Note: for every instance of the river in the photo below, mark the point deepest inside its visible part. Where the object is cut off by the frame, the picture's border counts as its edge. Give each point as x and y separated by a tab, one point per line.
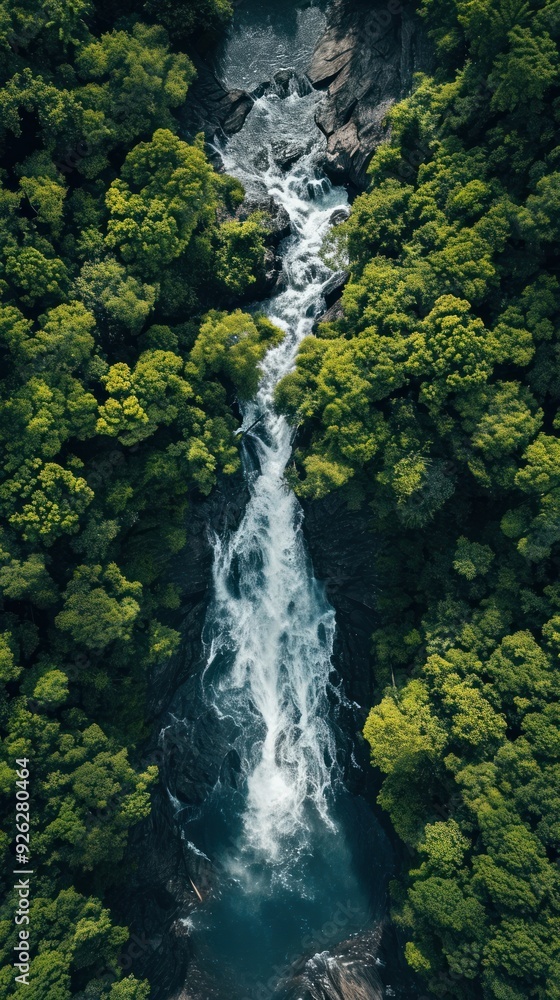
301	867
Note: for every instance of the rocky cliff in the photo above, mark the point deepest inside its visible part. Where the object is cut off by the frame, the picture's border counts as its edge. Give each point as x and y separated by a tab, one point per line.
167	874
335	538
366	61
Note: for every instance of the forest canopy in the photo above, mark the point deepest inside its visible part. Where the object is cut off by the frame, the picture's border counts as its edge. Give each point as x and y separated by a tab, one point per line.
434	403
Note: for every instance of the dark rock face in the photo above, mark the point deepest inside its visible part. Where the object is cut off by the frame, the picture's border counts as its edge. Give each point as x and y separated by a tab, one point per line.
339	215
211	108
158	902
366	60
284	83
341	548
285	154
193	573
276	224
333	288
335	312
347	973
168	874
198	746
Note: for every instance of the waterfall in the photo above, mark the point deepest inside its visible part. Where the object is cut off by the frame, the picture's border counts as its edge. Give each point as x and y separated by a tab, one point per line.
293	869
269	613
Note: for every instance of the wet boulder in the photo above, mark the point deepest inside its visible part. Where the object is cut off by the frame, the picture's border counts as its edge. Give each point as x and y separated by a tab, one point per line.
285	152
334	287
348	971
272	274
331	315
288	81
210	107
339	216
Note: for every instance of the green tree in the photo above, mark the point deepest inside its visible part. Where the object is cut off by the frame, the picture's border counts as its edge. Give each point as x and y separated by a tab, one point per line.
166	189
100	606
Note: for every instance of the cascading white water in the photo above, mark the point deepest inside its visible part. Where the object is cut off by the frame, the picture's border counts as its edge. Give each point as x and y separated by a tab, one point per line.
290	863
268	611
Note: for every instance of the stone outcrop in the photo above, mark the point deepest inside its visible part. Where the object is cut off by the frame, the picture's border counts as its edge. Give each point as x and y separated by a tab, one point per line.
334	286
193	574
160	893
366	61
211	108
336	311
335	538
349	972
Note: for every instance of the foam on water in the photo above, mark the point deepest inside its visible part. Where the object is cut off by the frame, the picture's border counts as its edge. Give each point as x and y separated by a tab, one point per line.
268	610
296	864
268	35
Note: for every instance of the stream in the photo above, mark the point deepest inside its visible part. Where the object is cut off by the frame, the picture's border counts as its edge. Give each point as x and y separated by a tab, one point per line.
297	898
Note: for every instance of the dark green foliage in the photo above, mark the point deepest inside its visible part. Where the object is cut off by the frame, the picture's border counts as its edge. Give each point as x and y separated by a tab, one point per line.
182	18
120	371
435	401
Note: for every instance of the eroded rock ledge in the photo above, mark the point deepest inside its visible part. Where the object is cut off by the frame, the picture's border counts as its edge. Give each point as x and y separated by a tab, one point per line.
366	61
210	107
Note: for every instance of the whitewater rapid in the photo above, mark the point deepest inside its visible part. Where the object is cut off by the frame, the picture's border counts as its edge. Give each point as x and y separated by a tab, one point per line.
268	611
290	868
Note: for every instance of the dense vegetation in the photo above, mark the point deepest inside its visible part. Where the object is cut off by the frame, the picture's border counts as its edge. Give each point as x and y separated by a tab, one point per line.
120	370
435	401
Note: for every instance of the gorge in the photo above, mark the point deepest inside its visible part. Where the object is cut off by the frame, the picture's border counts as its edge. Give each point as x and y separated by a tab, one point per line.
259	741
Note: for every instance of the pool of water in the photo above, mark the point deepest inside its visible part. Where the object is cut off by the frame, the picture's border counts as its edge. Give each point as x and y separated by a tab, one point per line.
266	37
